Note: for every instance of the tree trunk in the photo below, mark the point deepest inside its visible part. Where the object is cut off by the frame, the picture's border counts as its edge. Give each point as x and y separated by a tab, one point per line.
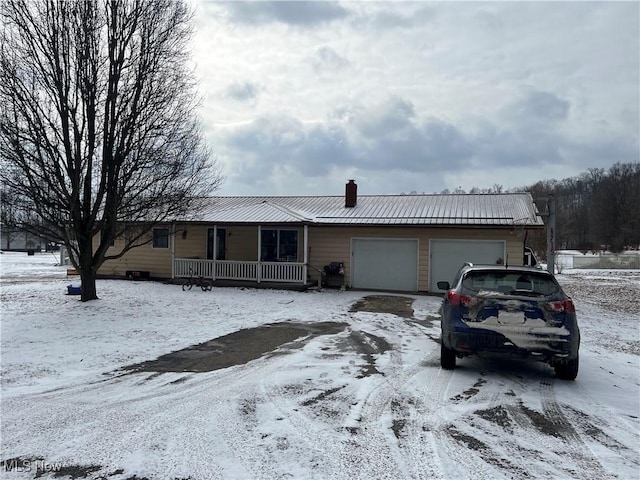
87	276
88	288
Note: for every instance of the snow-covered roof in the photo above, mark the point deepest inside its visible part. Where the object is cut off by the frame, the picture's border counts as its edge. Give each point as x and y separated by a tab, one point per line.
437	209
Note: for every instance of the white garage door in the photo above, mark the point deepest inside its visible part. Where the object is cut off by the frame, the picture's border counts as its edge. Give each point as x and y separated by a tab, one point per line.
384	264
447	256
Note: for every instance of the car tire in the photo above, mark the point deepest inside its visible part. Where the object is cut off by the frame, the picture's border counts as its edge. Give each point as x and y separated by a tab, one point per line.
567	370
447	357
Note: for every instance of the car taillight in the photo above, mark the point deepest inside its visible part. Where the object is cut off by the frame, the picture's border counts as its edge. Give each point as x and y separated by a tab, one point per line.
457	299
561	306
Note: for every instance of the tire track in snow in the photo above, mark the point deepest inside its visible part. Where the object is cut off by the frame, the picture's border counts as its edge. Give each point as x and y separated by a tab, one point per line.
418	439
553	446
464	454
487	397
372	446
239	423
322	444
517	458
359	443
356	445
126	415
574	443
386	416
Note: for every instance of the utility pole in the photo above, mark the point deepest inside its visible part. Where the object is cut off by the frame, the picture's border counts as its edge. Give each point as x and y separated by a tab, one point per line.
549	216
551	235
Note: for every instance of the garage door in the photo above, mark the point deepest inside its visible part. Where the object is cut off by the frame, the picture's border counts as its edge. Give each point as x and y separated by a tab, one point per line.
384	264
447	256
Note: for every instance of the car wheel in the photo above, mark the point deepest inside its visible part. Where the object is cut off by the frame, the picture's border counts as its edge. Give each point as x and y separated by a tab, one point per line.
447	357
567	370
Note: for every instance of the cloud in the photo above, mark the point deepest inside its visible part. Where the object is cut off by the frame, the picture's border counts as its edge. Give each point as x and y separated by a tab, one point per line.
298	13
383	119
419	147
243	91
537	107
385	16
327	60
377	139
283	141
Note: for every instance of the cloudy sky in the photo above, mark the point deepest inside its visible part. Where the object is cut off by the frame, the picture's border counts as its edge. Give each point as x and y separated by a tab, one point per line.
299	97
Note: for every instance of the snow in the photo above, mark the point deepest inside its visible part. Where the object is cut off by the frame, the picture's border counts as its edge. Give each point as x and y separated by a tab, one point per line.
332	406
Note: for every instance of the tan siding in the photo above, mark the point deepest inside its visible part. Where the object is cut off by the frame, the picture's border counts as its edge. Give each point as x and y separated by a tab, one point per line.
191	241
242	243
157	261
515	252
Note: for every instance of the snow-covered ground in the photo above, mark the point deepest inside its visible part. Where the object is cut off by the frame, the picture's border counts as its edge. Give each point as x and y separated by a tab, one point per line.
368	402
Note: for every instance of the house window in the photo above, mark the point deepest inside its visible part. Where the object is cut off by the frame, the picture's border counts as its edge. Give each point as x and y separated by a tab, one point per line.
279	245
160	238
220	243
111	243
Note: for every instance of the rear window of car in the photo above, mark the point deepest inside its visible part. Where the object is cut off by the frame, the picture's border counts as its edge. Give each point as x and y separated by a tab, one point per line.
526	283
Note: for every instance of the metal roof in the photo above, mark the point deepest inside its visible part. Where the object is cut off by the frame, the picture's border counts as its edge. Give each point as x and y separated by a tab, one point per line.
506	209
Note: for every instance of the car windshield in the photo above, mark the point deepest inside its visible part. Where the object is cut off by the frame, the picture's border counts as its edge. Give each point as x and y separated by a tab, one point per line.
518	283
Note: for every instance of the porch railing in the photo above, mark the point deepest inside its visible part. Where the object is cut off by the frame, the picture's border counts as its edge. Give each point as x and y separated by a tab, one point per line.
229	270
284	272
187	267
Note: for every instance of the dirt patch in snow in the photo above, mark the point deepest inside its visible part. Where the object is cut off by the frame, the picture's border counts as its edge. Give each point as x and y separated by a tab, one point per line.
368	345
249	344
236	348
401	306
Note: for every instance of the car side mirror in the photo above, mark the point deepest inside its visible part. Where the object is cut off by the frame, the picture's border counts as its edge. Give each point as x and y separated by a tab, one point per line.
443	285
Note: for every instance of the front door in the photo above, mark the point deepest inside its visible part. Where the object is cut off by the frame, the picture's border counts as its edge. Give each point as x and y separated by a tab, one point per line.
220	243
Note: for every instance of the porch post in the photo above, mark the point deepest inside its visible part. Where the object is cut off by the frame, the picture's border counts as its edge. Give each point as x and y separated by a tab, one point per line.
259	269
173	251
306	253
215	252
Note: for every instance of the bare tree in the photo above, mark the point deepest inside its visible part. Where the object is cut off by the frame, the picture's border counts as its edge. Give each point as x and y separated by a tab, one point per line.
98	135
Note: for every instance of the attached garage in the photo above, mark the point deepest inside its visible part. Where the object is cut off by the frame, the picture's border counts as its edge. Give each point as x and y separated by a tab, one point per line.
384	264
448	255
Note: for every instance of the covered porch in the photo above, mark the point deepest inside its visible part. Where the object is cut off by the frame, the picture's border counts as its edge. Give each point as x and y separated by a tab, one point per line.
279	256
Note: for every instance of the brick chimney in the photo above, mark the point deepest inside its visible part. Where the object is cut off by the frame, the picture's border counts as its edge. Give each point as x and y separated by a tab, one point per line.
351	194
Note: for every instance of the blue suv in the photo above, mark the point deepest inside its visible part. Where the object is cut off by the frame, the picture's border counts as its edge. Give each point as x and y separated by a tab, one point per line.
513	311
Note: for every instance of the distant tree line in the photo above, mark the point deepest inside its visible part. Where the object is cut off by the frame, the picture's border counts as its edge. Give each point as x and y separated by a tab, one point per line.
598	209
